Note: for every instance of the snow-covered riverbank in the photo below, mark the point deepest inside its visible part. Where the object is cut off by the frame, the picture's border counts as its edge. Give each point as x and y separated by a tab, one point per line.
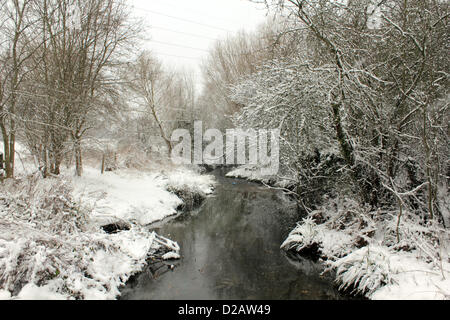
51	242
364	250
142	197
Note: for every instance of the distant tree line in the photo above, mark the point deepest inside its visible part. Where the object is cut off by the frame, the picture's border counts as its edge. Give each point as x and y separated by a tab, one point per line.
360	91
70	66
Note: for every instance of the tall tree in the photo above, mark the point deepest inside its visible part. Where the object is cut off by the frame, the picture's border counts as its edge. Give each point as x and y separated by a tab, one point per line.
166	97
16	22
83	42
388	96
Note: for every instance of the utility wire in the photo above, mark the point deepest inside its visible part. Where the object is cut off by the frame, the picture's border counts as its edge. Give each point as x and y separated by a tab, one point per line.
164	2
185	33
176	56
178	45
185	20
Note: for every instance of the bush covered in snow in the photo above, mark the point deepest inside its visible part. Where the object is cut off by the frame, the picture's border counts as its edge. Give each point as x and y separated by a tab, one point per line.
372	250
50	249
189	186
47	203
365	270
303	236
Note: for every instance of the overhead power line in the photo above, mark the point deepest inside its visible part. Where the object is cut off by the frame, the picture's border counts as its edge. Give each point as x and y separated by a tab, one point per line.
203	14
185	33
178	45
176	56
185	20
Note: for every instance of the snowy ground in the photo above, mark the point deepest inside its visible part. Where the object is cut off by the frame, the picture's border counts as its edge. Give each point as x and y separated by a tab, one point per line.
137	196
51	243
249	173
361	247
367	257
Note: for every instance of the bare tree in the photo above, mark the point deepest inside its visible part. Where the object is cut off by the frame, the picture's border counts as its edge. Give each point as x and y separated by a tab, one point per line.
236	57
83	42
387	92
16	22
166	96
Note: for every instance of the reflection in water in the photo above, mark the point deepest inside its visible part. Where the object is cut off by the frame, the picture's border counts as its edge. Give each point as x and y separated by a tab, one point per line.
231	250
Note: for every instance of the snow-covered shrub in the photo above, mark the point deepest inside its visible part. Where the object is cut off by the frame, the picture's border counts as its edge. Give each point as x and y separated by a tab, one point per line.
364	270
29	255
362	247
313	239
47	241
189	179
47	203
428	239
250	173
337	227
303	236
189	186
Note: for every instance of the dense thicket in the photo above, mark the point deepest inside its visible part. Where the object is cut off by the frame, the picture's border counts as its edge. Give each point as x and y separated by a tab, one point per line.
362	103
58	59
71	66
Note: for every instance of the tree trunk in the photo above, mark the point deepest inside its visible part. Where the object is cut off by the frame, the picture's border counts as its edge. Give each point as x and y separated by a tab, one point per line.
46	163
428	175
12	153
347	152
9	170
346	148
78	159
56	166
103	164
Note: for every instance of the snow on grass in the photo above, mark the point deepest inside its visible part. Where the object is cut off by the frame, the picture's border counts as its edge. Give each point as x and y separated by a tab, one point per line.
65	256
126	195
414	279
248	172
366	269
138	196
383	274
51	243
303	236
362	249
331	243
5	295
48	292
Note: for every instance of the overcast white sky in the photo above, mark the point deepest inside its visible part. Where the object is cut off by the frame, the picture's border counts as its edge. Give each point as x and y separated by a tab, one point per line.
181	31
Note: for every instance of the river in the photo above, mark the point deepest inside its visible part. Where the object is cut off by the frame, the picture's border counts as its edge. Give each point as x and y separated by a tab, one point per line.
230	249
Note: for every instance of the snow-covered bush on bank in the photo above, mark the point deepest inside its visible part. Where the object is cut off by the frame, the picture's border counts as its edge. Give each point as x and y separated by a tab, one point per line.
303	236
52	245
189	186
188	179
366	270
139	196
48	242
250	173
82	265
374	254
307	235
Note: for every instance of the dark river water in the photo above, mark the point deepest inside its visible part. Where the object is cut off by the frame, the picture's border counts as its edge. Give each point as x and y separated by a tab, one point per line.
230	249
